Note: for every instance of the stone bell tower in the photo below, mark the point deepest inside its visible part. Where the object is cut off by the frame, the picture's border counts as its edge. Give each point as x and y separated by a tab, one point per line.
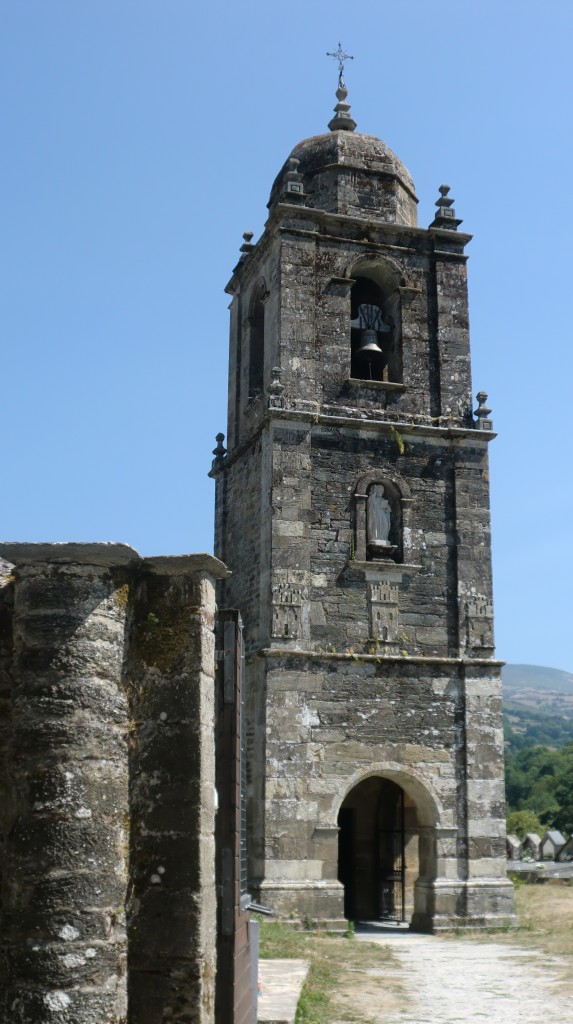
352	507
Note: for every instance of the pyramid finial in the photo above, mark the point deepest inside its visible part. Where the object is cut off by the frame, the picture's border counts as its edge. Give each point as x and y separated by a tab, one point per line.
445	215
342	120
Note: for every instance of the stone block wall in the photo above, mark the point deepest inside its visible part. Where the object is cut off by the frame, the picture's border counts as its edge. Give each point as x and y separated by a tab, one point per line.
108	899
442	594
245	539
334	720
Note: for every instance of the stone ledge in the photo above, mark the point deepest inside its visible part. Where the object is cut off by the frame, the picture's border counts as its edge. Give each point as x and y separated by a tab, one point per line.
380	566
100	553
379	385
281	984
310	419
178	565
386	228
413	659
109	554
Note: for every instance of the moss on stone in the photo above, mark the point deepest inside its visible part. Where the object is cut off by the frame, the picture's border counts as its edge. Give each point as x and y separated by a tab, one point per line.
163	641
122	595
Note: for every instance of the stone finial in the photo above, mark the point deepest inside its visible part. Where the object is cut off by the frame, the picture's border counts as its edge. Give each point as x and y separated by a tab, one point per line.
482	412
275	390
247	245
293	188
220	451
292	172
482	409
342	120
446	215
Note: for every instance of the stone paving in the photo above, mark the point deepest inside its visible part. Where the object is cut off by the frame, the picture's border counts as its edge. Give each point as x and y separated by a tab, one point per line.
281	984
451	982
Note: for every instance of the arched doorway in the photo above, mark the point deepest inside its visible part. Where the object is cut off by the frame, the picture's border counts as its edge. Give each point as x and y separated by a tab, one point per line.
378	851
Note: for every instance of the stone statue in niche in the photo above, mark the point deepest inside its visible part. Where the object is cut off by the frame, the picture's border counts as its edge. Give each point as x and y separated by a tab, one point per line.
378	516
378	523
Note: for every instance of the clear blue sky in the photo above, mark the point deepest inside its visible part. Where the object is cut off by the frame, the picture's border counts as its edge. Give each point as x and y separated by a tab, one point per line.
141	139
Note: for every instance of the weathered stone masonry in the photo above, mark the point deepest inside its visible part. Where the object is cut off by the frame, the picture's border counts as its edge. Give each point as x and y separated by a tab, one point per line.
108	896
362	661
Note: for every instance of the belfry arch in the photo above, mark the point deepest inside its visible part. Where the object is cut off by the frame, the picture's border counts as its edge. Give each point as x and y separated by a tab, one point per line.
375	320
387	825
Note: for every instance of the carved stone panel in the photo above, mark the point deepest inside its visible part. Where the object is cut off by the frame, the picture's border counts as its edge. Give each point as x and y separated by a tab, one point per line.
286	611
479	623
383	606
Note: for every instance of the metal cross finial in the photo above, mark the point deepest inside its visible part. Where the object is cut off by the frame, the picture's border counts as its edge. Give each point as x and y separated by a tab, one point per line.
340	56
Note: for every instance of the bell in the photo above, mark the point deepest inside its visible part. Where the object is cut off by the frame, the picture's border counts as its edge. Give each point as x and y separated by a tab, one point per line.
369	344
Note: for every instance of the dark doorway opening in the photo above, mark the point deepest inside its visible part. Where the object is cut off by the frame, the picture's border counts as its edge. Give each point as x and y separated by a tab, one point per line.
346	820
390	861
378	851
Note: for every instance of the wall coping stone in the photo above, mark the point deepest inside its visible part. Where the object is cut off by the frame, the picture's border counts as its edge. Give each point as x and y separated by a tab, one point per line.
178	565
105	553
109	554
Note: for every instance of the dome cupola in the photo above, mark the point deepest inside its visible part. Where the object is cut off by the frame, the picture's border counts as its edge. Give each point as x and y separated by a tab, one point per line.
347	172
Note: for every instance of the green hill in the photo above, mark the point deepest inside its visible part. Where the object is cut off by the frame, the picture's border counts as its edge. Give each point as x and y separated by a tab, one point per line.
538	706
538	726
536	677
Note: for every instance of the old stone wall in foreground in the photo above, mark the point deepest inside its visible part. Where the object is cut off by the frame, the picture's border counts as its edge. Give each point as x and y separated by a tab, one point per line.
107	785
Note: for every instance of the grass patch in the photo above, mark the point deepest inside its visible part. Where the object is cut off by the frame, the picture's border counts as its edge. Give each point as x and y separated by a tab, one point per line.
315	1003
338	969
545	913
279	941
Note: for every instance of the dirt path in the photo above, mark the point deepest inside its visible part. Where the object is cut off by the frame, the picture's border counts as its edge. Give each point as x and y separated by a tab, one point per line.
459	982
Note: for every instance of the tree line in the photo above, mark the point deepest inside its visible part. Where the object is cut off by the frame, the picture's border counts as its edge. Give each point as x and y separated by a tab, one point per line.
539	789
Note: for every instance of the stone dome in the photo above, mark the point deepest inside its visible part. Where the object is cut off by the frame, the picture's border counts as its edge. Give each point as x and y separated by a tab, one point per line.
348	172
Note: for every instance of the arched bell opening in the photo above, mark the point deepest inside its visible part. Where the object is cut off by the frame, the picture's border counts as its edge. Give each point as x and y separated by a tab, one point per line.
375	330
380	855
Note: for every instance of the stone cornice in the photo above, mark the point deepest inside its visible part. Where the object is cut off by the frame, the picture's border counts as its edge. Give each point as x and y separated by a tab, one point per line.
380	234
389	228
414	659
404	427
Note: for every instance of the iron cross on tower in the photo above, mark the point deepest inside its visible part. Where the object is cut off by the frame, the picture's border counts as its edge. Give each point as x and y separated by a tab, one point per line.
340	56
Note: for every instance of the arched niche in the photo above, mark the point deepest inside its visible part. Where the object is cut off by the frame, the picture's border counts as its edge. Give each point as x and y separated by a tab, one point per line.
381	517
256	321
376	320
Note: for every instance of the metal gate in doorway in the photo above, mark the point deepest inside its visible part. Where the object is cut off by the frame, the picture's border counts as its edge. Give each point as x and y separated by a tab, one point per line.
390	864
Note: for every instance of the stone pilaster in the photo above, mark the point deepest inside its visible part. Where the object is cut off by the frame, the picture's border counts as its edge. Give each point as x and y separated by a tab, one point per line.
452	328
171	912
